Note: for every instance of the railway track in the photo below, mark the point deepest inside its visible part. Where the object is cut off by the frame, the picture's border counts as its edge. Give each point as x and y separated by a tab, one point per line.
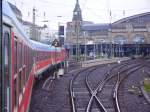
133	100
94	95
106	89
96	89
84	88
91	89
79	91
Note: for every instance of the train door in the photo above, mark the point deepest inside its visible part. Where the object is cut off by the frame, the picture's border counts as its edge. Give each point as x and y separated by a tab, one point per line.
6	69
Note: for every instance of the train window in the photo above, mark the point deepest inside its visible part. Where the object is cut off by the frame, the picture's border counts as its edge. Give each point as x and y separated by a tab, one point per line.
6	49
20	55
37	55
30	59
23	70
20	83
28	64
23	78
26	56
47	55
6	72
15	93
22	52
21	58
15	56
27	53
50	55
42	55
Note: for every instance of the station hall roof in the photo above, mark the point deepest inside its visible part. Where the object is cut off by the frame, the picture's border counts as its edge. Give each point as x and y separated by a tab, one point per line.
141	19
95	27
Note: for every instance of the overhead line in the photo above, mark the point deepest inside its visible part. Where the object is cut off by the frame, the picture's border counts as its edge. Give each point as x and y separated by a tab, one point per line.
69	5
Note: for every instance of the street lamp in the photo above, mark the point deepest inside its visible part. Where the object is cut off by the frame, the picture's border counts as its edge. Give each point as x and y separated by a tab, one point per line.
94	49
112	48
101	43
58	24
119	49
85	49
77	31
55	44
122	51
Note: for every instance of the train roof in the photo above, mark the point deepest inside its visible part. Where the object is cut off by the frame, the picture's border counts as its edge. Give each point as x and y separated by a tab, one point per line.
40	46
10	18
43	47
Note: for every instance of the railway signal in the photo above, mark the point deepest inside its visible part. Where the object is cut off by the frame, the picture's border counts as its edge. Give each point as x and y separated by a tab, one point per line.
56	43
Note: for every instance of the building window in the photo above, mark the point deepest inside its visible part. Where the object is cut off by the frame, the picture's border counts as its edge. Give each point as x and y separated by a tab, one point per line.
138	39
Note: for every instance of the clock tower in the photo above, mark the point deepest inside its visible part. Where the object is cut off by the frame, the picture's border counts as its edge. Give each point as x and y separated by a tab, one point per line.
73	29
77	15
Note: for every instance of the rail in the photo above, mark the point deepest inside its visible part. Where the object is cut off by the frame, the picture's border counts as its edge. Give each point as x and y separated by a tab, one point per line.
102	61
101	86
119	81
71	89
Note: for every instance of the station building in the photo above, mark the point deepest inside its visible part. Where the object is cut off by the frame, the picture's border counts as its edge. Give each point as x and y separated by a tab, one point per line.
131	31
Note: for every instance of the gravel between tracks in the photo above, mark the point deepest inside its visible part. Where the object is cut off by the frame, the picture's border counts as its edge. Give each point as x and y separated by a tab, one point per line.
56	99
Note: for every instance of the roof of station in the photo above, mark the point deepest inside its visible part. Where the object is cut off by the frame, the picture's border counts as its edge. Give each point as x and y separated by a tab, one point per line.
136	20
143	17
95	27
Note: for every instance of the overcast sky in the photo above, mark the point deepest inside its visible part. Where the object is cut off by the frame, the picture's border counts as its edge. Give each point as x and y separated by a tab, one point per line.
92	10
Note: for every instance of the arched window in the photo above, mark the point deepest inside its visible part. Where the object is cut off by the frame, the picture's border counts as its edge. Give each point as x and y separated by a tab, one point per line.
120	39
138	39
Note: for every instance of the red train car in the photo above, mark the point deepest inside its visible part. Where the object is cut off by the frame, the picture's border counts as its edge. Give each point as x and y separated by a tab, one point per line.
22	61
